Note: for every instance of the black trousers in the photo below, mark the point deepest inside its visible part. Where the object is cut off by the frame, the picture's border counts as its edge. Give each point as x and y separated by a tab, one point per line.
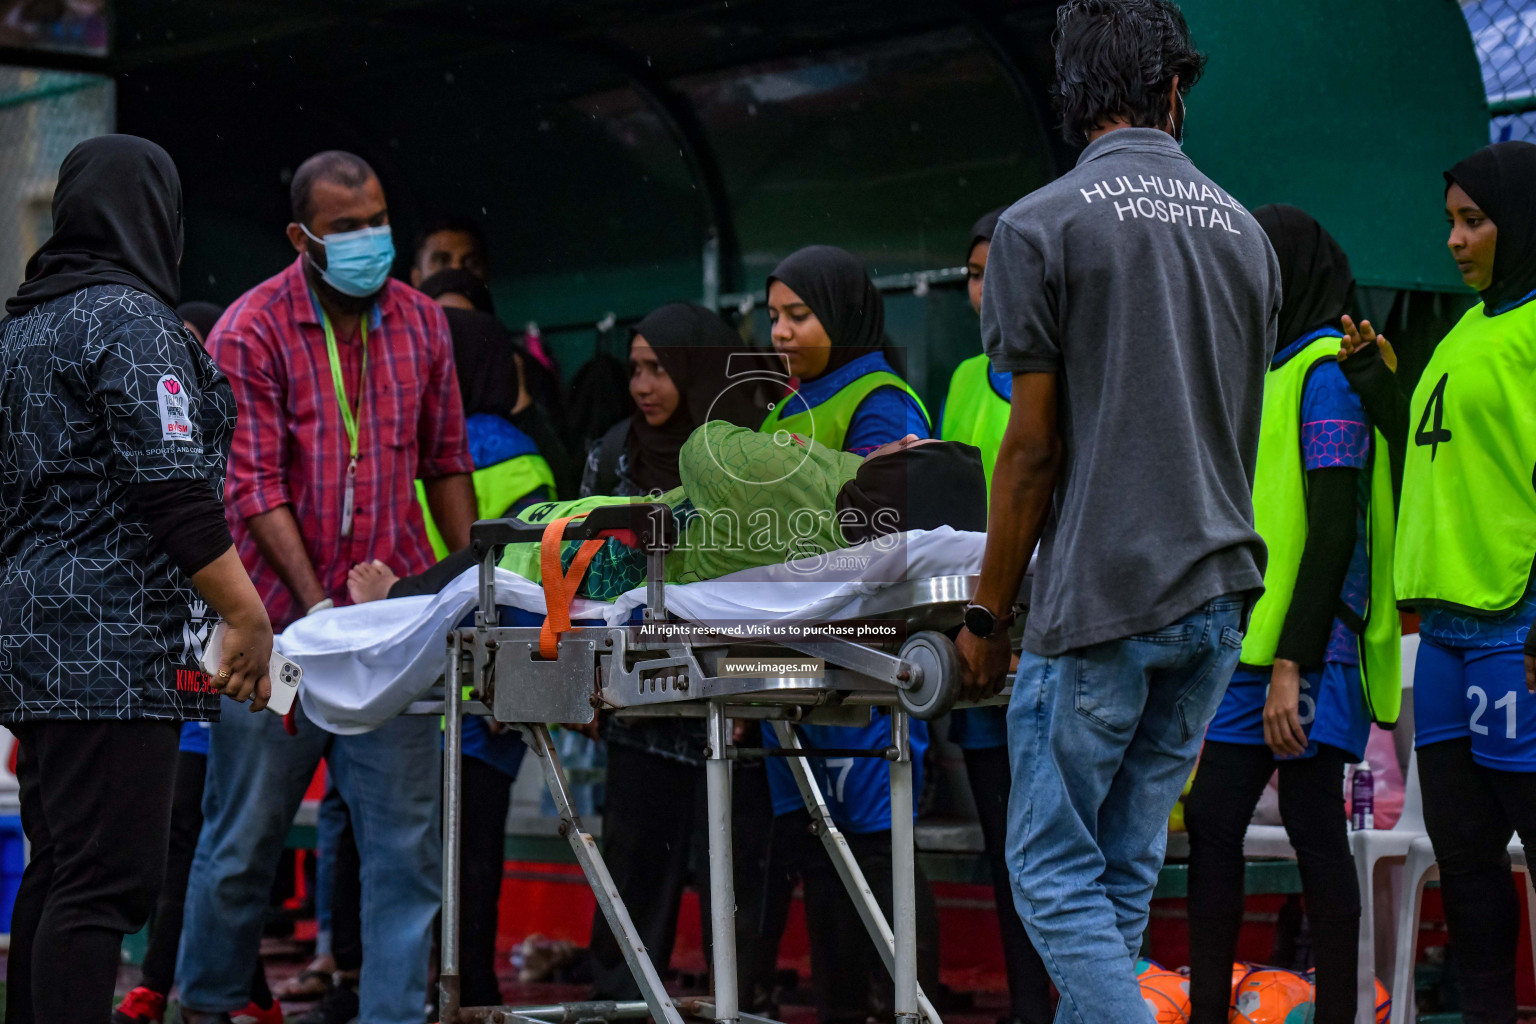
186	824
655	842
159	969
1471	813
1217	811
487	794
848	976
96	807
1029	984
347	902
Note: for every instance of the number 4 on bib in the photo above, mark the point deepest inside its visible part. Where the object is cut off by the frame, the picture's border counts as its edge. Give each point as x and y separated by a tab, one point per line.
1436	433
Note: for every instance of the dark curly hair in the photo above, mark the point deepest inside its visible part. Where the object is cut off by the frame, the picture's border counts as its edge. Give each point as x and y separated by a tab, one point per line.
1117	59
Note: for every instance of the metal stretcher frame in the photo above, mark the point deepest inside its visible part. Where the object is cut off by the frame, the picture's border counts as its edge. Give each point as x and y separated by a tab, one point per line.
501	671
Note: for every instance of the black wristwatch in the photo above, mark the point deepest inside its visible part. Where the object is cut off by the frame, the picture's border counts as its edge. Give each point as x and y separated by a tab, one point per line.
982	623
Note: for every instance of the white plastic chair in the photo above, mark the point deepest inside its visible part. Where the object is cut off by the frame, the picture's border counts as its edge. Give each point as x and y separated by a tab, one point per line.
1372	847
1420	868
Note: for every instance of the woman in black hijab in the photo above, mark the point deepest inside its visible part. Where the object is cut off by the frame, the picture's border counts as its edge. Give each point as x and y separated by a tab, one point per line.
497	382
1298	701
1464	550
683	363
1319	286
1498	180
116	427
829	325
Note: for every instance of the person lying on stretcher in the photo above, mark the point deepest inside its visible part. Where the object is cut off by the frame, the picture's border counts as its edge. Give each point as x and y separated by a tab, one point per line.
748	499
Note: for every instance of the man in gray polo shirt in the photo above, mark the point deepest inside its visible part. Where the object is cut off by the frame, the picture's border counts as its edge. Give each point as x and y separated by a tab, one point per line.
1135	303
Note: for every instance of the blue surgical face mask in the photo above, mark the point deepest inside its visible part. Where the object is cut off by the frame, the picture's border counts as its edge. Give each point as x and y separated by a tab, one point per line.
357	262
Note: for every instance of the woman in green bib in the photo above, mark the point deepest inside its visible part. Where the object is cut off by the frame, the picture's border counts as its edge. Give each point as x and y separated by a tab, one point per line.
1465	547
514	447
829	324
1321	658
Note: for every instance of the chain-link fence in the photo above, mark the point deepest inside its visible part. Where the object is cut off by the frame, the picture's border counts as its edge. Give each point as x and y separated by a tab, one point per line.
43	114
1504	32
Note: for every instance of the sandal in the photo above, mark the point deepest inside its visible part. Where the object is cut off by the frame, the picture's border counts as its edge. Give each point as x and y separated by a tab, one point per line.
312	983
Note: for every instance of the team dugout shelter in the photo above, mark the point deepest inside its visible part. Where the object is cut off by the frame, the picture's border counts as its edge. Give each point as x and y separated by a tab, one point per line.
622	155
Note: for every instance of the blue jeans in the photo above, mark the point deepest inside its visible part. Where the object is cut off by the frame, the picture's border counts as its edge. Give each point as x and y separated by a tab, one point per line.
1101	741
391	779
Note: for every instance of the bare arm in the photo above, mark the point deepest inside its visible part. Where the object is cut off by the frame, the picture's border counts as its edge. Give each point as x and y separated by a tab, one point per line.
277	538
1022	486
452	501
247	643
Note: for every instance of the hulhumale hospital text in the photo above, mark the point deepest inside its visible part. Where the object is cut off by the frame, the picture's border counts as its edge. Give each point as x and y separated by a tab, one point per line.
1139	201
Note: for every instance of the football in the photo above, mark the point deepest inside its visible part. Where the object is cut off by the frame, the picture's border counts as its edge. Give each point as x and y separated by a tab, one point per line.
1272	997
1166	994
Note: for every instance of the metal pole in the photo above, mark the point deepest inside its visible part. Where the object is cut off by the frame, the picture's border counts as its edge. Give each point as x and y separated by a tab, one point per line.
722	879
448	973
487	615
655	586
836	845
609	899
711	261
903	871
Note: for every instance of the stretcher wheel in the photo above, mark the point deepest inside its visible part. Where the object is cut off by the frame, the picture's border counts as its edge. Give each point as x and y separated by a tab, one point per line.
934	693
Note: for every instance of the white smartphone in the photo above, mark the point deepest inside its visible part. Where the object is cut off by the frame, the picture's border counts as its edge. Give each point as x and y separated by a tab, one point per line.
285	674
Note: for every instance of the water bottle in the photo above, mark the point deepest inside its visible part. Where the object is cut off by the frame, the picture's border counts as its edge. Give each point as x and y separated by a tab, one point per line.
1362	795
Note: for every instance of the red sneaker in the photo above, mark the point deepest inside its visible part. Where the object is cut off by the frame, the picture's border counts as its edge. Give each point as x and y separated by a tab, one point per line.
253	1014
140	1006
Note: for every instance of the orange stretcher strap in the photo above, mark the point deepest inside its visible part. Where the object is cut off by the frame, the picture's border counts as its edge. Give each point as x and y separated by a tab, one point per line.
560	588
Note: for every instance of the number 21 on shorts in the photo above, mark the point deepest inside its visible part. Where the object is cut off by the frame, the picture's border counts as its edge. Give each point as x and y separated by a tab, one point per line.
1501	713
1506	704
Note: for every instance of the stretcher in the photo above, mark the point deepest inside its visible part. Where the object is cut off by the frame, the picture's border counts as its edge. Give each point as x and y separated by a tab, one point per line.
674	665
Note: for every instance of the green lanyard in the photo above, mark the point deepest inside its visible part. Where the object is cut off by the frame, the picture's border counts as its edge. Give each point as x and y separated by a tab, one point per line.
348	418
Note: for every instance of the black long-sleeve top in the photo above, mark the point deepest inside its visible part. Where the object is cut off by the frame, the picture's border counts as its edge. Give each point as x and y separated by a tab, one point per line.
1332	505
185	518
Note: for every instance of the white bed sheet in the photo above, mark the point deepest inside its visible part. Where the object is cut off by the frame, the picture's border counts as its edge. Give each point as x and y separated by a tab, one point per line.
364	664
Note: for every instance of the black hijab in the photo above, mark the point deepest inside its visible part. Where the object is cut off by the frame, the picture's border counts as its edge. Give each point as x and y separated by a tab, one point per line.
836	286
1501	180
941	483
483	353
1316	286
116	220
983	229
694	346
201	315
459	282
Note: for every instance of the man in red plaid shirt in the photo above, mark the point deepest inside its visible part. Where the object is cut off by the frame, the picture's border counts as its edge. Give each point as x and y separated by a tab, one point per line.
346	392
